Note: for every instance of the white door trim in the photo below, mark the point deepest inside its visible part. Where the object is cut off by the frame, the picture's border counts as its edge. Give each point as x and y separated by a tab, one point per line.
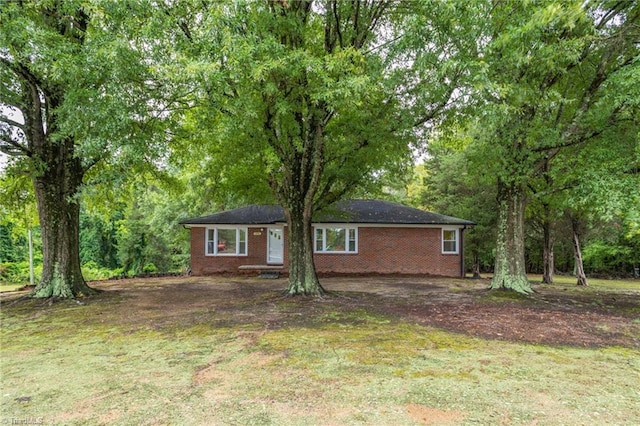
275	245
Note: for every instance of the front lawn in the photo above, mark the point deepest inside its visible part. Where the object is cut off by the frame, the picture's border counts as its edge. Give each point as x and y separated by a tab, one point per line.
376	351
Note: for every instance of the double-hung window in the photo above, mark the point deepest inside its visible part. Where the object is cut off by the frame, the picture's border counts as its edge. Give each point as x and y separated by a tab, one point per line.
336	239
450	241
228	241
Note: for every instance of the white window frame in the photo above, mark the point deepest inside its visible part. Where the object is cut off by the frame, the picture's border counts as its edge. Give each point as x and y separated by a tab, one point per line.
239	240
457	240
324	249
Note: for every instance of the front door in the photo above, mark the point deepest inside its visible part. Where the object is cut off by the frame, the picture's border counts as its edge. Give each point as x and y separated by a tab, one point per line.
275	246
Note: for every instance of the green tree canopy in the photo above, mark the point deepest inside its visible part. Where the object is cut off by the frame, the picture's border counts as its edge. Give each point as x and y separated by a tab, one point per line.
555	77
309	101
76	95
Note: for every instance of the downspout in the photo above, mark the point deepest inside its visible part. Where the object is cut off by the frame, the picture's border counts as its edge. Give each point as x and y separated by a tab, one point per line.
462	251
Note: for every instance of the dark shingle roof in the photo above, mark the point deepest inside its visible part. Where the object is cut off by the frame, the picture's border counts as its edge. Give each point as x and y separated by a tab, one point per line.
384	212
349	211
250	215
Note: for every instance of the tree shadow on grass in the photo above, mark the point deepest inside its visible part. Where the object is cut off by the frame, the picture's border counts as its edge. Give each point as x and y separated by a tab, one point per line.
550	316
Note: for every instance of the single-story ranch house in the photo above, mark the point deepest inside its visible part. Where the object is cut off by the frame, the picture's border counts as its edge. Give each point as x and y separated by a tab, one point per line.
354	237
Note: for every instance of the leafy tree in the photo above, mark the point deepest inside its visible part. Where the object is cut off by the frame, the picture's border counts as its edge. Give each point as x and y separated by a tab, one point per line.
318	101
554	74
452	185
18	218
611	252
601	180
299	78
73	98
8	249
146	235
331	95
98	240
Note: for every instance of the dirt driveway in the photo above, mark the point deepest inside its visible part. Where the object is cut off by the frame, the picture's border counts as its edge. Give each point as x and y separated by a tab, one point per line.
553	315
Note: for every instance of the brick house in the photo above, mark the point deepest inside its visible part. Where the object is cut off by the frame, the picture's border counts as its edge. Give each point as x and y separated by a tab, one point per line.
353	237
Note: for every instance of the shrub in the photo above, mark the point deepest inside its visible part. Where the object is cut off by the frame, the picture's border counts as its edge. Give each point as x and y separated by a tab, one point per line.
18	272
607	258
149	268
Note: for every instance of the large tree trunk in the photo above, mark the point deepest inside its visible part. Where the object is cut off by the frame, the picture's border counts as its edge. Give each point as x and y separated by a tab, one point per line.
303	279
577	253
57	171
296	193
57	190
510	271
548	261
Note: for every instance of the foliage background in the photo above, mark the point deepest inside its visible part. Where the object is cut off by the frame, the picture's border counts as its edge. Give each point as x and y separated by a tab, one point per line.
195	157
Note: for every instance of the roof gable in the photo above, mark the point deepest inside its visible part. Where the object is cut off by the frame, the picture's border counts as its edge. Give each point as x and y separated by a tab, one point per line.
348	211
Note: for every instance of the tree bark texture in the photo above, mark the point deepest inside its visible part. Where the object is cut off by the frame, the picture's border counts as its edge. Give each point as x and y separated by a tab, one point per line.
296	184
510	273
577	253
297	196
303	279
57	190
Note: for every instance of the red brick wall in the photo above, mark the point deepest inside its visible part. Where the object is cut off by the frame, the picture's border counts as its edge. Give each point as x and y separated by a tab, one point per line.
380	251
393	251
204	265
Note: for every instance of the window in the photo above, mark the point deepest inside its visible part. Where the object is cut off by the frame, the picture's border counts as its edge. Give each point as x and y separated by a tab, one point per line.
450	241
226	241
335	240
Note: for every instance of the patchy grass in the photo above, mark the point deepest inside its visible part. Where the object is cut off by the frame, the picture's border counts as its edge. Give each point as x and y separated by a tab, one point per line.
149	355
5	287
595	283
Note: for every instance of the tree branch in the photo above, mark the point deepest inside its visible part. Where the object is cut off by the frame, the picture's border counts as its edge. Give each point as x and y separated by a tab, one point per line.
10	147
11	122
21	71
182	25
611	14
336	16
430	115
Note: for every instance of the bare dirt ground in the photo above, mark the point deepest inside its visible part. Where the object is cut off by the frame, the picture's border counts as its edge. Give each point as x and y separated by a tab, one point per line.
556	315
